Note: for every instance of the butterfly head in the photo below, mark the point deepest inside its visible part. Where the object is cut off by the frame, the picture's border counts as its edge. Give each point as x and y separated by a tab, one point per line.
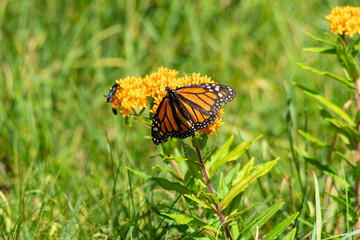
168	89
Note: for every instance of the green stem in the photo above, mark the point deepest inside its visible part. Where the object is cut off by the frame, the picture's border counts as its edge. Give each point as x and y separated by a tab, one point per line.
208	183
357	153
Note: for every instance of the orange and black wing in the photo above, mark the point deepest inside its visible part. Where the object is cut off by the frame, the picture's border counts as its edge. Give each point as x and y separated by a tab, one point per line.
202	101
170	120
188	108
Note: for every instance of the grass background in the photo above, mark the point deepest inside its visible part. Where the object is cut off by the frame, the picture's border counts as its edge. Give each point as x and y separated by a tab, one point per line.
58	58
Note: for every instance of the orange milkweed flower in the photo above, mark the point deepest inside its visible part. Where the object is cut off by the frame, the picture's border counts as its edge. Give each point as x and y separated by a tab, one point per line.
137	92
344	20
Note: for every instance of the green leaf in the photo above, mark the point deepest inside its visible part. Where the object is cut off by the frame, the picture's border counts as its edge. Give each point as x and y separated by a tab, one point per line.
349	84
262	218
140	174
344	205
168	147
327	103
290	235
223	188
256	172
174	174
328	50
175	158
145	122
321	40
340	154
200	140
236	153
164	183
349	235
192	221
354	47
357	117
197	200
322	168
349	132
222	151
189	152
313	139
181	219
356	173
346	59
323	144
243	172
235	214
281	227
318	221
231	175
324	113
127	122
192	162
209	196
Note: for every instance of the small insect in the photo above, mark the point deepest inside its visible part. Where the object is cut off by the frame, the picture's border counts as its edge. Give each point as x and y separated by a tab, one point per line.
111	95
188	108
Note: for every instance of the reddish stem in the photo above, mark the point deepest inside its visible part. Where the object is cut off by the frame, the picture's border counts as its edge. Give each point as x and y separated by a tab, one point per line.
208	183
177	170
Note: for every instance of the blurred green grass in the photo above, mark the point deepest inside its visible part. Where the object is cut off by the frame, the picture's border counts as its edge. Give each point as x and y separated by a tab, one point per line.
58	58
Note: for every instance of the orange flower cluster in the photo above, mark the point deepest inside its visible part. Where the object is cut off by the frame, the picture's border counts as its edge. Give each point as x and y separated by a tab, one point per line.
136	92
344	20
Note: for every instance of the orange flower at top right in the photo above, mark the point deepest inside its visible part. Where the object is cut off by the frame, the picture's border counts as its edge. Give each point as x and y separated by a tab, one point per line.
344	20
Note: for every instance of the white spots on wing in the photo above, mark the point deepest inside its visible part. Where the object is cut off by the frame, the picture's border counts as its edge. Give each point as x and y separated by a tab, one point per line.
217	88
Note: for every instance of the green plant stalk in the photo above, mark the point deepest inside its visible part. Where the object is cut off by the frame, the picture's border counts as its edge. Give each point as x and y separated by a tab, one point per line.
208	183
357	152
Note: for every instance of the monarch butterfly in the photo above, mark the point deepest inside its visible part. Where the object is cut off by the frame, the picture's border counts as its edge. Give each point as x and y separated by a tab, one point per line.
111	94
188	108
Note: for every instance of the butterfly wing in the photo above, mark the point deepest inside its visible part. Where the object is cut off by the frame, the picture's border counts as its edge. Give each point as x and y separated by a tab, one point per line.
170	120
202	101
188	108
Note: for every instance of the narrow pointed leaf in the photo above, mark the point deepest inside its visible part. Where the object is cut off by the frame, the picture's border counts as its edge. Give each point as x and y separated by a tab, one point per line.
174	174
197	200
318	221
281	227
209	196
140	174
327	103
349	84
344	205
231	175
328	50
236	214
349	235
236	153
175	158
221	152
321	40
262	218
172	185
223	188
191	221
346	59
243	172
258	171
322	168
313	139
290	235
323	144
